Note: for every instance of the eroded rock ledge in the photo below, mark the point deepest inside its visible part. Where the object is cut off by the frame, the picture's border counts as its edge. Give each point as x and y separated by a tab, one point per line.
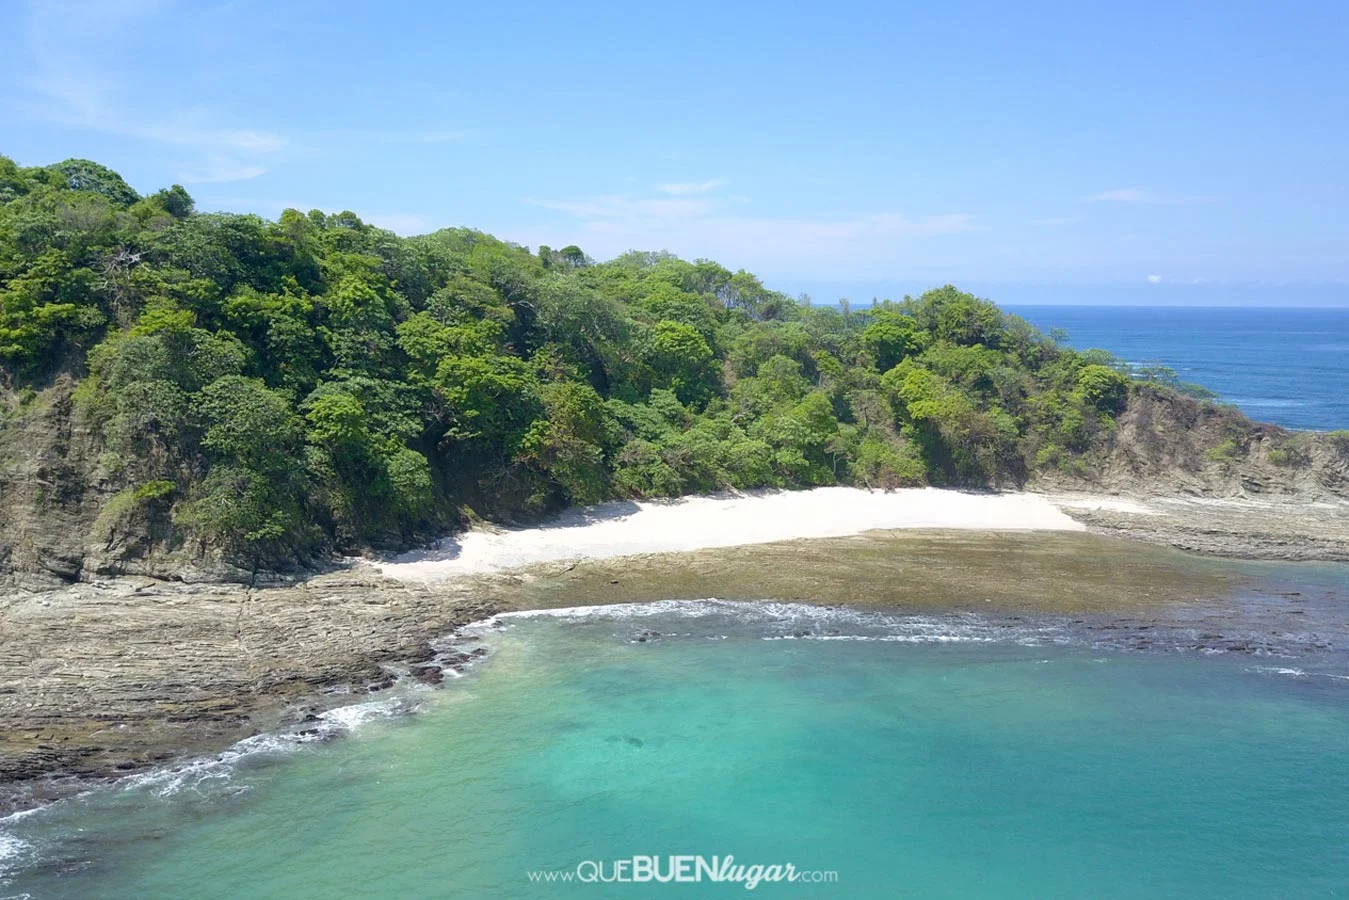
108	678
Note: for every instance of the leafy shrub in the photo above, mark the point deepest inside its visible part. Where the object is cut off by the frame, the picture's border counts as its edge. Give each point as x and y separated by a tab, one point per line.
1104	388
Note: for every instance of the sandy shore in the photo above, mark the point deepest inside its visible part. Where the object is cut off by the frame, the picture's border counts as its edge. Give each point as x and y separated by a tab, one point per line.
699	523
1248	528
98	680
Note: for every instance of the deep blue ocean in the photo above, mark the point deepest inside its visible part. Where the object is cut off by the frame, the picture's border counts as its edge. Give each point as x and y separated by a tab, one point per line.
1287	366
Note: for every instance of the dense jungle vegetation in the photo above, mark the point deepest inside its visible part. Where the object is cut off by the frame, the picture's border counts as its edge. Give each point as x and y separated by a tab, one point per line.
315	383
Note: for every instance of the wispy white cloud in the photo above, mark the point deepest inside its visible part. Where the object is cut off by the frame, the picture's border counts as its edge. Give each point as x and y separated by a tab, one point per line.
621	209
217	170
708	226
619	206
1123	195
74	50
426	137
401	223
1154	279
1134	196
374	136
682	188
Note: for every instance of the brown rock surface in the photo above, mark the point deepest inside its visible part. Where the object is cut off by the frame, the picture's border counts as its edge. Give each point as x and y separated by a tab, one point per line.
101	679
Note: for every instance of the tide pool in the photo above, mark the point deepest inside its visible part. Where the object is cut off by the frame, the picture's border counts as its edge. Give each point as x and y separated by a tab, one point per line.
932	756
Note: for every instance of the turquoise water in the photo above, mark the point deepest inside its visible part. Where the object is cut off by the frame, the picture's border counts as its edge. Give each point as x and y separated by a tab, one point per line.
950	757
1287	366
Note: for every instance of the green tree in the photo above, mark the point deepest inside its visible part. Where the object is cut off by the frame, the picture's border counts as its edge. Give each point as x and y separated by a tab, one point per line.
1104	388
490	399
567	444
890	338
83	175
248	423
682	361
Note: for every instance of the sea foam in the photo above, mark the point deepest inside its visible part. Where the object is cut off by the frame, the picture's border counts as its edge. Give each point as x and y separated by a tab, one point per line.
197	773
785	620
10	849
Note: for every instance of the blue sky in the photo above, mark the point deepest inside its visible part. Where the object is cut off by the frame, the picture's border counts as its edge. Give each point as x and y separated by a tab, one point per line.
838	148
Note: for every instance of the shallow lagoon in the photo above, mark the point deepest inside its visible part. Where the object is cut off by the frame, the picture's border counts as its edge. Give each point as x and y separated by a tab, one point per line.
933	754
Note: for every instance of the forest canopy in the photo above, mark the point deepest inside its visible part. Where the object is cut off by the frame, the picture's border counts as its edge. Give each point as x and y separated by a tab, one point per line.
281	388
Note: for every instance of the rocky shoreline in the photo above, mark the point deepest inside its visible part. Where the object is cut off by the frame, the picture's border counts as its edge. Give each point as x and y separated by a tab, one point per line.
1297	528
100	680
108	679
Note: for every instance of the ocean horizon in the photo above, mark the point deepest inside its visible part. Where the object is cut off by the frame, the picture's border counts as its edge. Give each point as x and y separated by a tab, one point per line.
1285	365
1213	295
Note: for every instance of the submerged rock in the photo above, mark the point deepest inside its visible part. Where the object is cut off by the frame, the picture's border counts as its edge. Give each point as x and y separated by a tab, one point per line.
428	674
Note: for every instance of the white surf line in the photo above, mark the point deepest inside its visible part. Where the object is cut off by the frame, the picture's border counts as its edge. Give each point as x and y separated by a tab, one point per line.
695	523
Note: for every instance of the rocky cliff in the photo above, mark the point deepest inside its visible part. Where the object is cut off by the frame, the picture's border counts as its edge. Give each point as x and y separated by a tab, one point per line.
1169	444
63	519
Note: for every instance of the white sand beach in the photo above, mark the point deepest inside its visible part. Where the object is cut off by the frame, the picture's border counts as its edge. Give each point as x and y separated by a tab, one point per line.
694	523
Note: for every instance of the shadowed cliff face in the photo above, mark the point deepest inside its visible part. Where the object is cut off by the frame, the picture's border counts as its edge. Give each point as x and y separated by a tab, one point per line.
60	521
48	498
1167	443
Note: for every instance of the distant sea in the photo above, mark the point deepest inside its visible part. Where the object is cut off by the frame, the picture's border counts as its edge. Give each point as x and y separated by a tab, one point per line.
1287	366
